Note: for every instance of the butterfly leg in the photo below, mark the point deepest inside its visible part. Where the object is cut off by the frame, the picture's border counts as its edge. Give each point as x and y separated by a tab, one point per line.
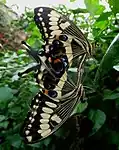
34	54
29	70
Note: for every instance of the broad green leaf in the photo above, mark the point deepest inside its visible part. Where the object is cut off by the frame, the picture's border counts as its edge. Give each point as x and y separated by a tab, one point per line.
34	89
4	124
110	59
114	5
2	117
60	132
94	7
80	108
117	89
5	146
79	10
5	94
113	137
37	145
47	141
104	16
15	140
111	96
98	117
20	51
15	110
101	24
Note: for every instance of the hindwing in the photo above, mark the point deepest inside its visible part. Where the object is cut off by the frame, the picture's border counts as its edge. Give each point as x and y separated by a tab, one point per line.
47	115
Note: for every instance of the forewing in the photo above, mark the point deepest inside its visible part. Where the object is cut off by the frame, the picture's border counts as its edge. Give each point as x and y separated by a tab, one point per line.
52	24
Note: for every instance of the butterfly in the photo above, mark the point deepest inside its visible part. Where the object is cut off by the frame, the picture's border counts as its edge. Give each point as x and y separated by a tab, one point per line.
58	95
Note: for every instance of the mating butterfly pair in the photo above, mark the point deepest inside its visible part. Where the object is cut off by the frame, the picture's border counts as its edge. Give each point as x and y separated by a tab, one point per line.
58	95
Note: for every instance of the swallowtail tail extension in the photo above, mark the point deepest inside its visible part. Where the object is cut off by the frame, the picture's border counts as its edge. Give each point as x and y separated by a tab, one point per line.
58	94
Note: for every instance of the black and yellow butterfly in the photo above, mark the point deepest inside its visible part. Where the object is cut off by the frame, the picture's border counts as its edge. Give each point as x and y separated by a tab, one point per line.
58	95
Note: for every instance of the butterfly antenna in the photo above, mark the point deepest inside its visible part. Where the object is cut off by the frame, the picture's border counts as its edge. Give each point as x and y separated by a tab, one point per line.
34	54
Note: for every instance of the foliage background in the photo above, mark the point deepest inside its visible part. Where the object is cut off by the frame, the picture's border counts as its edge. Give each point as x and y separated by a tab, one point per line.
102	86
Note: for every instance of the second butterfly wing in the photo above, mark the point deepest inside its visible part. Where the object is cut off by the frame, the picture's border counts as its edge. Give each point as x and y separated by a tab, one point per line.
54	26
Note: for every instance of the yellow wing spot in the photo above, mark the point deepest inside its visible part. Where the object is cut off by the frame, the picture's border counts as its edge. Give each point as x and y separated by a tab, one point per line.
45	133
29	138
44	126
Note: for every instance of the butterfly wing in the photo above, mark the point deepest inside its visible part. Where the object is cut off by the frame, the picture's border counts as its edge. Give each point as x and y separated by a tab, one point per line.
47	115
52	24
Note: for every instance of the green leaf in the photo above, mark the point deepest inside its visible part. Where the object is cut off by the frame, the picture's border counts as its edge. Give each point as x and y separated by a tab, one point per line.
47	141
34	89
94	7
15	110
117	89
2	117
114	5
110	59
79	10
80	108
111	96
3	1
72	0
60	132
5	93
104	16
101	24
37	145
4	124
15	140
113	137
98	117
